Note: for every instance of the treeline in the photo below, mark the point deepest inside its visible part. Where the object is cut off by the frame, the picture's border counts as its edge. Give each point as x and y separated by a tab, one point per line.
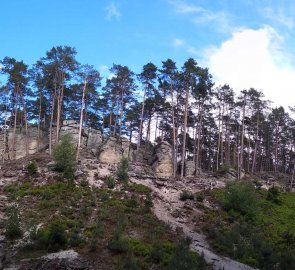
207	125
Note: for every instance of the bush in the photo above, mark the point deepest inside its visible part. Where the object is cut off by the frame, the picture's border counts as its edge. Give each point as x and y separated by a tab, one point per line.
64	157
185	195
240	197
273	195
12	223
122	171
110	182
118	243
184	259
32	168
53	237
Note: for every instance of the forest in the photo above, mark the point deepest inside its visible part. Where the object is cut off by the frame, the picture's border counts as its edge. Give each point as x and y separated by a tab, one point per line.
211	125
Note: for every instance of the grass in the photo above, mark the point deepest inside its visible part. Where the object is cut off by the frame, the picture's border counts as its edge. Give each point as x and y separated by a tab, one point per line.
91	220
260	239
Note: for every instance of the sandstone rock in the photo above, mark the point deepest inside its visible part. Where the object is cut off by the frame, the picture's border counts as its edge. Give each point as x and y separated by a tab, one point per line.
113	149
189	168
163	165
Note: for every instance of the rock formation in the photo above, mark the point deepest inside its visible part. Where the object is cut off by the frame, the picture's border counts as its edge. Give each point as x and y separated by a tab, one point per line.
163	164
113	149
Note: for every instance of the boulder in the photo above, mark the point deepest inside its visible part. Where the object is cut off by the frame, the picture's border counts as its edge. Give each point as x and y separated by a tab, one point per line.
163	164
113	149
189	168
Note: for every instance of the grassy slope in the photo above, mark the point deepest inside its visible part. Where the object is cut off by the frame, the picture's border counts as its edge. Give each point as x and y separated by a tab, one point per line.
105	225
265	240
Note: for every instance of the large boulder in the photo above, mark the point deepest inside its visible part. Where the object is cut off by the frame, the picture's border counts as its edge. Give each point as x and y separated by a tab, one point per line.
14	146
163	164
90	138
189	168
113	149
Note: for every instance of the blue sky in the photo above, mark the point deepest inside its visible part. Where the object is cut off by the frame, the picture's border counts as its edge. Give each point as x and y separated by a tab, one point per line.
246	43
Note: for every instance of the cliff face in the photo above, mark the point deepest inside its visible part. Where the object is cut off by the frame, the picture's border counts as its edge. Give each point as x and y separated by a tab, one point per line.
15	147
110	150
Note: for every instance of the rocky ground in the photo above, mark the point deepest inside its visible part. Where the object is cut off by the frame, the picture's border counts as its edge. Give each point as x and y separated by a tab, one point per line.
181	216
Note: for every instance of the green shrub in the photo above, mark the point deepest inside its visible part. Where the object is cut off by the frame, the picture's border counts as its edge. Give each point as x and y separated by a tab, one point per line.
64	157
185	195
240	198
122	171
32	168
273	195
118	243
12	223
130	263
110	181
200	197
184	259
53	237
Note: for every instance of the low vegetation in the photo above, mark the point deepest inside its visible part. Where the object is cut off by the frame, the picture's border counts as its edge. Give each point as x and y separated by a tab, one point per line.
63	215
253	226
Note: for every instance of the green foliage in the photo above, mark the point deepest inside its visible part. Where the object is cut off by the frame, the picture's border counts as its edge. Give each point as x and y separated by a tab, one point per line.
32	168
184	259
53	237
118	243
223	169
64	157
266	241
13	223
273	195
240	197
122	171
130	263
110	182
185	195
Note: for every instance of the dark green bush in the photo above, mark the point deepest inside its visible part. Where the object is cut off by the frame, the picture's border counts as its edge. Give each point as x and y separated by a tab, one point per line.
184	259
53	237
122	171
185	195
32	168
110	182
65	157
12	223
118	243
240	197
273	195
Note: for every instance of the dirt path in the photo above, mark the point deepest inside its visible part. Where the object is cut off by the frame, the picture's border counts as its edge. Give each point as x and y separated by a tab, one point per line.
166	203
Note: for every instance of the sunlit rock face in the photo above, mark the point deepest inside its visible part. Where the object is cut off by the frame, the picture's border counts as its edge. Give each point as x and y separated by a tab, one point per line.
189	168
113	149
14	147
163	164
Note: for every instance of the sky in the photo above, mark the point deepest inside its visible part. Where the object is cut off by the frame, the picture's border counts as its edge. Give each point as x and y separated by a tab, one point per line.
244	43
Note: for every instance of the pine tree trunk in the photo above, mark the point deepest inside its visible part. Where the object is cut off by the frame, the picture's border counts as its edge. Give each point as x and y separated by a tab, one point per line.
26	122
184	134
14	126
81	120
39	120
140	126
51	122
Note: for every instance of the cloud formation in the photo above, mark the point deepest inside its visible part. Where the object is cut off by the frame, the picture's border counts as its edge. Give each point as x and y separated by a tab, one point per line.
220	20
254	58
278	16
177	42
113	11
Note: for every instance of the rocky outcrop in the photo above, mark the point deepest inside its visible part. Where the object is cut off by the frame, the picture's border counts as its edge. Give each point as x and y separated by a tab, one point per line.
189	168
15	146
90	138
113	149
163	164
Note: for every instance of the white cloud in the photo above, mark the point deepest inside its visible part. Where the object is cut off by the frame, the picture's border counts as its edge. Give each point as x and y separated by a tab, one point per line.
184	7
254	58
177	42
278	16
113	11
220	20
